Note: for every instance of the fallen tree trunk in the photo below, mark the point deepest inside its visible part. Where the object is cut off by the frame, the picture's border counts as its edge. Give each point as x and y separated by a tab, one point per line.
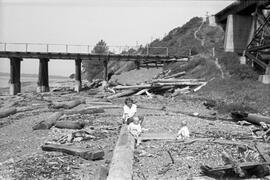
67	104
7	111
122	160
69	125
49	122
124	93
75	151
91	110
253	118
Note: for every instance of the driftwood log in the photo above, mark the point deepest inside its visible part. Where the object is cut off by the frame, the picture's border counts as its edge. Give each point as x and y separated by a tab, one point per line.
90	110
49	122
122	160
175	75
124	93
67	104
75	151
69	125
142	86
7	111
253	118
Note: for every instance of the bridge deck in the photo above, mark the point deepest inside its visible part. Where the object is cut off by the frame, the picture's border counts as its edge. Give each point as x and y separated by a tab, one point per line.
88	56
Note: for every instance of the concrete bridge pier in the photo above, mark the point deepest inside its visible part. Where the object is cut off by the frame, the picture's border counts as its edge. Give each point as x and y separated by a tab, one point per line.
15	75
78	79
43	76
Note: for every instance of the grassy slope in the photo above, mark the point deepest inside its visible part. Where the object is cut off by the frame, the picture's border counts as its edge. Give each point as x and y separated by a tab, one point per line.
239	90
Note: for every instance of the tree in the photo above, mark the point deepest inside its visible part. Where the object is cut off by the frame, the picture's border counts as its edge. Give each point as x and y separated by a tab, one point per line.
101	48
94	68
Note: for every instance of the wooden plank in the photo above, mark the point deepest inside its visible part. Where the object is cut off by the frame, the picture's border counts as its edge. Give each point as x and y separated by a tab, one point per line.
75	151
121	167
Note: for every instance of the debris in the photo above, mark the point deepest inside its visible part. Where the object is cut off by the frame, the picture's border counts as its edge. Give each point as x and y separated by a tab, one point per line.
49	122
251	168
170	156
83	135
253	118
229	160
75	151
4	112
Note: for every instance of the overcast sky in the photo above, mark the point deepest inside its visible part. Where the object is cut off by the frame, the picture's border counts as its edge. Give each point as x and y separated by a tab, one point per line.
118	22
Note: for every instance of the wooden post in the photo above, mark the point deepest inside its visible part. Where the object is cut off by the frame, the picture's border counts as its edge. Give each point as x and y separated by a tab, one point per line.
43	76
78	79
105	63
15	75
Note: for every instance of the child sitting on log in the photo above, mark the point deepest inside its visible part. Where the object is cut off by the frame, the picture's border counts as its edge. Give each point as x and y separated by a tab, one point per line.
183	133
135	129
130	110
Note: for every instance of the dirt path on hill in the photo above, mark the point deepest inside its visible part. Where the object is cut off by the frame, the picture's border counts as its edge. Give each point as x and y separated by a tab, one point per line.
195	34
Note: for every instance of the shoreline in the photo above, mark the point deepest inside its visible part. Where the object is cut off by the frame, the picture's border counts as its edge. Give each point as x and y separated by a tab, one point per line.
30	86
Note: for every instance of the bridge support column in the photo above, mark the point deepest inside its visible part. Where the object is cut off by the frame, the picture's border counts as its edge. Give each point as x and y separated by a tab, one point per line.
15	75
43	76
265	79
137	62
78	79
239	29
105	63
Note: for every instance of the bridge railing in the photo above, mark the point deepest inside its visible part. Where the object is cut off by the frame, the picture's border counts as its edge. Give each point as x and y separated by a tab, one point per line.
77	48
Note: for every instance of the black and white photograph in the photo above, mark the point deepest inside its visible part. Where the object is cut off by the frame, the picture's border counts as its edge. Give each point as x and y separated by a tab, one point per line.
134	89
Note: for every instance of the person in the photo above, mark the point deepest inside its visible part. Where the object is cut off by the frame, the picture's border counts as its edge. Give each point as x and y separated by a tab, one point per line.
183	133
130	110
135	129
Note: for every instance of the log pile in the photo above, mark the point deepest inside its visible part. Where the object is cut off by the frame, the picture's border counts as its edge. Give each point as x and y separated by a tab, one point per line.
160	85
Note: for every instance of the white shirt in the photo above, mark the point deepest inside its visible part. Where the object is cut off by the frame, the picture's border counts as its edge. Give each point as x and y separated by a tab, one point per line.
183	132
135	129
129	112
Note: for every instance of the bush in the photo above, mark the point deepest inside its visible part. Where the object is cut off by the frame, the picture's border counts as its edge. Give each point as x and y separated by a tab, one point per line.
242	72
